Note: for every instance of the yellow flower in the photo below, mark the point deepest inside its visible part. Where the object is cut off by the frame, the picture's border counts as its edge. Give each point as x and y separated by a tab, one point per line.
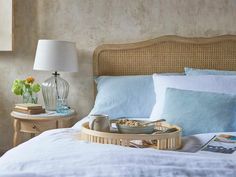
30	80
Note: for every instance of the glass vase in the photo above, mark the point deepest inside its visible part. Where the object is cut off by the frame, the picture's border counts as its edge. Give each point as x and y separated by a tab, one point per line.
30	98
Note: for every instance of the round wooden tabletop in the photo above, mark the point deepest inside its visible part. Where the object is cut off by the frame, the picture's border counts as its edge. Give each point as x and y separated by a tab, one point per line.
49	115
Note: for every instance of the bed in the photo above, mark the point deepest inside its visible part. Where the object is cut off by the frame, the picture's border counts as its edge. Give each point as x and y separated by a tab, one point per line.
60	153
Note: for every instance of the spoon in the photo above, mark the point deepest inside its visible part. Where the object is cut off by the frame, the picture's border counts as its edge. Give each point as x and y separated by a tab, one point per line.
160	120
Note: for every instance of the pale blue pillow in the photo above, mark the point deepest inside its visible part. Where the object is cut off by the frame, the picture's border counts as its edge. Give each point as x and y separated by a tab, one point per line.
124	96
200	112
197	72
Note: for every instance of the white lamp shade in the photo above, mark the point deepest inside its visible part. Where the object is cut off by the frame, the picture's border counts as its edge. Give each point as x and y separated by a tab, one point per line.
53	55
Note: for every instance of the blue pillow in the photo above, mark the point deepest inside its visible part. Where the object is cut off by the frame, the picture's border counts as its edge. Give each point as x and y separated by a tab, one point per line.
124	96
197	72
200	112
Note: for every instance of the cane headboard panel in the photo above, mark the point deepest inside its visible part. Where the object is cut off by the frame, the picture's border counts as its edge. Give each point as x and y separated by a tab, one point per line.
165	54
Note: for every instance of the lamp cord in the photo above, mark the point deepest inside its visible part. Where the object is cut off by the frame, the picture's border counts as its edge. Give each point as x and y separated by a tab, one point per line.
55	75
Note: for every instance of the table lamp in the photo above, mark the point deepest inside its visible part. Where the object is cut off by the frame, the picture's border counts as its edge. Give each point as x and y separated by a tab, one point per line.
54	55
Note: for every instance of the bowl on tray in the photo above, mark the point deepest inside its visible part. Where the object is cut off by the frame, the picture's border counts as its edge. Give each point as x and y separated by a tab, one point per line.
136	126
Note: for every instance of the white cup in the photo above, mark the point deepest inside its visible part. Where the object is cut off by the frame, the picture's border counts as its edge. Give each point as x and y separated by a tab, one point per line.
99	122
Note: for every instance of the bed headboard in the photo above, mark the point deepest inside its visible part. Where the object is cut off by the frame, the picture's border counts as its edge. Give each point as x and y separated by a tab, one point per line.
165	54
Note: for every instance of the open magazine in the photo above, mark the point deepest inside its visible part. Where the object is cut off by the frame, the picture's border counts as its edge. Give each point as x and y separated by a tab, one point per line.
222	143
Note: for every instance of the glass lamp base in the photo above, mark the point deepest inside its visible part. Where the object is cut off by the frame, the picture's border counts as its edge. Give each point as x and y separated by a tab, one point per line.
54	88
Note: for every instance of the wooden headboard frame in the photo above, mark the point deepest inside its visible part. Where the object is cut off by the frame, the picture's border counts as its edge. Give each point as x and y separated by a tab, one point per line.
165	54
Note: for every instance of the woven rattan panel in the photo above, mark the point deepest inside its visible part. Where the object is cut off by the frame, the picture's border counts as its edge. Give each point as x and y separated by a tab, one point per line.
165	54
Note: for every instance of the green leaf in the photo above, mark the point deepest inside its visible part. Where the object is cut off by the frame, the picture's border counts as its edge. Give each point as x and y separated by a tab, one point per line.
17	87
17	90
36	88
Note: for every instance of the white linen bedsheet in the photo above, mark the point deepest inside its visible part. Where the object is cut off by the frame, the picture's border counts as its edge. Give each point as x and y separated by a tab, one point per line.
57	153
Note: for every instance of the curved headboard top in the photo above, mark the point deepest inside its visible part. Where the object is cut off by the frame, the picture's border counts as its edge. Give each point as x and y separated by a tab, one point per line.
165	54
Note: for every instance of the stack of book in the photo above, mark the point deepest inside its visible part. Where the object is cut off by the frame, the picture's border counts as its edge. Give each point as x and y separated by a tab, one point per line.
29	108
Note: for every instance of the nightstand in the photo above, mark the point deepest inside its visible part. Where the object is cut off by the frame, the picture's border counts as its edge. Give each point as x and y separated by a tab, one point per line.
38	123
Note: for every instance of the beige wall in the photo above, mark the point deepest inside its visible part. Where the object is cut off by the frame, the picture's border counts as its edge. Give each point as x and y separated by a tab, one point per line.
92	22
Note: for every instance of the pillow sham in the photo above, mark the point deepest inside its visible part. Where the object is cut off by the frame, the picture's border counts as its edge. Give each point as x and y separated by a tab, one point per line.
197	72
210	83
124	96
200	112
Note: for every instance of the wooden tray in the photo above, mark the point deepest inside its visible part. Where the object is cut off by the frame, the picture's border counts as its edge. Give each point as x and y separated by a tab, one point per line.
163	141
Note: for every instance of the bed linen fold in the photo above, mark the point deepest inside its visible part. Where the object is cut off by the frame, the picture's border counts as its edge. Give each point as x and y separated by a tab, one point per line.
57	153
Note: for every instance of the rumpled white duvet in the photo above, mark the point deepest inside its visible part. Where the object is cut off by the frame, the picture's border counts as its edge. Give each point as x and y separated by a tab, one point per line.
57	153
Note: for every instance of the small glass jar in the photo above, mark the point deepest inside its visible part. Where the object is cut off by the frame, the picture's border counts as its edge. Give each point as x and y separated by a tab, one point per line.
62	106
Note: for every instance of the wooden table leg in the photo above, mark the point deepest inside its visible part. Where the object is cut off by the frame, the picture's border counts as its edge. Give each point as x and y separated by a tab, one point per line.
16	138
63	123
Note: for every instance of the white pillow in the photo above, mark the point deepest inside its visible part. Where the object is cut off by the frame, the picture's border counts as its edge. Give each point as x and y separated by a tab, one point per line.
209	83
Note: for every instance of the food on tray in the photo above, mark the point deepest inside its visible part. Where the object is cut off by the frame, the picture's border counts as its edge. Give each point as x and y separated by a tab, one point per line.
130	123
134	126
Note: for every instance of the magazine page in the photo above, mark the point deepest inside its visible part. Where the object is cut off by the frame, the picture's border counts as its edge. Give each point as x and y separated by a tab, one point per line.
222	143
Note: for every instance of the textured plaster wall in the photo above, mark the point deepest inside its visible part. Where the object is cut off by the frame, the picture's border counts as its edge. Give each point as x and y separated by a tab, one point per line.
93	22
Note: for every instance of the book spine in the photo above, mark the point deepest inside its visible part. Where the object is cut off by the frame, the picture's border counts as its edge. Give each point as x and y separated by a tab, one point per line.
29	111
29	108
20	110
36	111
